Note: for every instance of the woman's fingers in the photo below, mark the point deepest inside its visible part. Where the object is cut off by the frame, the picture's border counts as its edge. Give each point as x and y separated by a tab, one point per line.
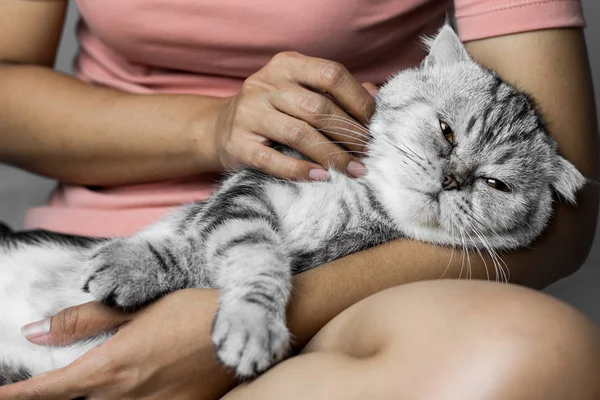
313	105
176	361
62	384
97	370
75	323
304	138
323	114
328	77
272	162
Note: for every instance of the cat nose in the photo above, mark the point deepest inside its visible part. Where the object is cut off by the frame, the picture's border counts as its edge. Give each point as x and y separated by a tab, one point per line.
450	183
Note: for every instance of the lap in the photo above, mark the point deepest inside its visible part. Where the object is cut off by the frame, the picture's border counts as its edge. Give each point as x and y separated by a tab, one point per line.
403	339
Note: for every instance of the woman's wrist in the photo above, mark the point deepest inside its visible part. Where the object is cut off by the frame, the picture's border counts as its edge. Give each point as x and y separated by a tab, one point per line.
202	132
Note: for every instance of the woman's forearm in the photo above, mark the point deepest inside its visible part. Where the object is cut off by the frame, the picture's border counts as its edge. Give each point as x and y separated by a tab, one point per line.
60	127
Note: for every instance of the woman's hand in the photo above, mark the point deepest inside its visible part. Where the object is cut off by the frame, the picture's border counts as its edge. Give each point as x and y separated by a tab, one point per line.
306	103
163	352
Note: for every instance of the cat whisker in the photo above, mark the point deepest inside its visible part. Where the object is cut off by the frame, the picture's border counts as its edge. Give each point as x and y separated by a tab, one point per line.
333	117
347	136
463	250
489	250
468	256
348	151
387	140
498	264
484	242
334	142
502	267
487	272
349	121
415	154
478	251
405	153
494	259
499	270
451	254
482	225
357	133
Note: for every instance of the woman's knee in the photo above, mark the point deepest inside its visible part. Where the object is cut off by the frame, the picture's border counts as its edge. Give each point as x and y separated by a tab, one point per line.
465	336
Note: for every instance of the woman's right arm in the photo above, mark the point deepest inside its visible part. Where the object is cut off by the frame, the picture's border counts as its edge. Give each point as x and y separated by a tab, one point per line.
75	132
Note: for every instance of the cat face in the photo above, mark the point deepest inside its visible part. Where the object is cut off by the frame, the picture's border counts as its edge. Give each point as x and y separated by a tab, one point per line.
459	157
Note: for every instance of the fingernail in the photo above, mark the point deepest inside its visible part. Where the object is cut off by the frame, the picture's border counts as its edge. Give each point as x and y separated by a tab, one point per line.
371	88
372	91
356	169
318	174
37	329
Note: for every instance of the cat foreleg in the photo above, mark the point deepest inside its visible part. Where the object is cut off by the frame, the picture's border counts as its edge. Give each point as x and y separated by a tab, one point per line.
253	274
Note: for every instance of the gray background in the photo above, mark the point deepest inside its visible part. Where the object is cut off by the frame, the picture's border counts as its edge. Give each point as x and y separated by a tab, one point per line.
20	190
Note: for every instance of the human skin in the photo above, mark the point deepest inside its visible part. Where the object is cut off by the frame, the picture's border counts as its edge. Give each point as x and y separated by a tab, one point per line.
531	61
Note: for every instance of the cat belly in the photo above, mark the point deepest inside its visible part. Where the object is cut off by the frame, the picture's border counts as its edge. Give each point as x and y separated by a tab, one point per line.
36	282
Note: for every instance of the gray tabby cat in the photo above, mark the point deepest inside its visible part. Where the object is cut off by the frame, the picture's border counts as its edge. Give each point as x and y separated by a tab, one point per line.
455	157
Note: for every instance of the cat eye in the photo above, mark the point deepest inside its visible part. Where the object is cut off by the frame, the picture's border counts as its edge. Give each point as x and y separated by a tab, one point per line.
447	132
496	184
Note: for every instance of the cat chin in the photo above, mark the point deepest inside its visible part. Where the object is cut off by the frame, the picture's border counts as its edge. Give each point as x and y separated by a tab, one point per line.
442	236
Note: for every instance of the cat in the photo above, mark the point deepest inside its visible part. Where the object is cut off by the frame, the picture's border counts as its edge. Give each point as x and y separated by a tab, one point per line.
455	157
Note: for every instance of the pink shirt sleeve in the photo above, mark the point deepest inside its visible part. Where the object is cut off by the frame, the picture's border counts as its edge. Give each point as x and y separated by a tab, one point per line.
479	19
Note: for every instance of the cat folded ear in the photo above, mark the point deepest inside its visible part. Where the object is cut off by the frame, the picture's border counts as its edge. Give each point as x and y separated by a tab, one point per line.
445	48
567	180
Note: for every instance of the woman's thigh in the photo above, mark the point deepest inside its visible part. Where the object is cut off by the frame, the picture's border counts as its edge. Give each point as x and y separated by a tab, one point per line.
444	340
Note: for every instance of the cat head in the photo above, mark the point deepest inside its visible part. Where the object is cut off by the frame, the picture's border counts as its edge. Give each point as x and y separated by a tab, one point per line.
459	157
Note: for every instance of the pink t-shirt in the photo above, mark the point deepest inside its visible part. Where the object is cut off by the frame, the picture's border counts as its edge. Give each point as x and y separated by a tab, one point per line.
209	47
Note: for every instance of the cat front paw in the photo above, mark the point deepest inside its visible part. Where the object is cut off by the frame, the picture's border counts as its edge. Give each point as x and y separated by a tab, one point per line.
249	339
129	273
